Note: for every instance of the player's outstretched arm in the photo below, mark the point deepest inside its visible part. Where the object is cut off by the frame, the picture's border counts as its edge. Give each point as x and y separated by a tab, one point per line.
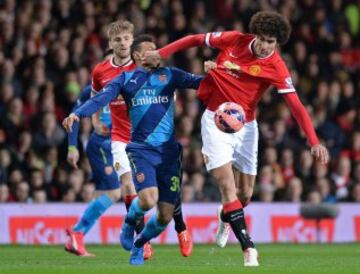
153	57
101	99
73	152
184	80
302	117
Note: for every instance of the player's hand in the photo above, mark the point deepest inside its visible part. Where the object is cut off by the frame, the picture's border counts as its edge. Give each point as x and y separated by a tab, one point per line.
151	58
320	153
73	156
209	65
69	121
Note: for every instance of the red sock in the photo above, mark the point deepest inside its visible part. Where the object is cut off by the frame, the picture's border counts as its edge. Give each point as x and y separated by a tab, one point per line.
128	200
233	213
231	206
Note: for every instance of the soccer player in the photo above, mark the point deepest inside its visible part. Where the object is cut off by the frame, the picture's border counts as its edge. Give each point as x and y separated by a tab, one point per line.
120	34
247	64
101	150
154	154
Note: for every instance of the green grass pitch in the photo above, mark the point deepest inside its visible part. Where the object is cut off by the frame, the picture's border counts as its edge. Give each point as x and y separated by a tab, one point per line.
274	258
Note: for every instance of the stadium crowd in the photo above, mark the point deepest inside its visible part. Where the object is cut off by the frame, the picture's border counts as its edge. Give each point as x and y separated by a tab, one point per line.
48	49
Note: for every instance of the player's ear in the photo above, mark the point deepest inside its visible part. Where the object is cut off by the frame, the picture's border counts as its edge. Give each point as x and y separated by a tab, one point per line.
109	44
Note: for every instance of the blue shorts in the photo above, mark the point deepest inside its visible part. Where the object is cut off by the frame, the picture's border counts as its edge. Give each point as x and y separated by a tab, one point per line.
157	167
101	161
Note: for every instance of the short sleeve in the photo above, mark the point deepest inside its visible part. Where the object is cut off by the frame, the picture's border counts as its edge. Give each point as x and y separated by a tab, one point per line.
282	80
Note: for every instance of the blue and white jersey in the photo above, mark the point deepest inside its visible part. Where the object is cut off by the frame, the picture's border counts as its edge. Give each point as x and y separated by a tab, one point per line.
150	99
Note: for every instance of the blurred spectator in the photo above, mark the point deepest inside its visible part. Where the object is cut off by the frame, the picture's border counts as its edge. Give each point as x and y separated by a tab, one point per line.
87	192
69	196
50	133
5	161
39	196
187	193
304	165
341	177
323	186
287	164
314	197
294	190
22	192
76	179
4	193
266	193
355	193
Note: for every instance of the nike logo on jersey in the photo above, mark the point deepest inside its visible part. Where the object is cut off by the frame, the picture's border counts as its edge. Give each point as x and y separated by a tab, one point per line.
106	80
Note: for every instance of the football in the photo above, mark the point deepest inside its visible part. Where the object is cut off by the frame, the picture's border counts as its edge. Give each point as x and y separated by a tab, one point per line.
229	117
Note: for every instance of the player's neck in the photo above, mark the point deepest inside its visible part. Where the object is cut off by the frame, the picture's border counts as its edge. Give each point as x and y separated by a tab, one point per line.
118	61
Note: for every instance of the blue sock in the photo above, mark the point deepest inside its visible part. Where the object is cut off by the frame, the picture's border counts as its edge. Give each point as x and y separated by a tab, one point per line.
135	212
151	230
93	212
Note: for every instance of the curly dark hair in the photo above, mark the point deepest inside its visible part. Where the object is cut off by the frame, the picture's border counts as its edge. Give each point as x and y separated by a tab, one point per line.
272	24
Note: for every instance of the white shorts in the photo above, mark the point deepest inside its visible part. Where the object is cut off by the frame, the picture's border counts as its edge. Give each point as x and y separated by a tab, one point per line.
120	159
219	148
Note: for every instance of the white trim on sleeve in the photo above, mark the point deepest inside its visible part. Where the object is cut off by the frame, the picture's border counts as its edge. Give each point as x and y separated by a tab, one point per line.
288	90
207	39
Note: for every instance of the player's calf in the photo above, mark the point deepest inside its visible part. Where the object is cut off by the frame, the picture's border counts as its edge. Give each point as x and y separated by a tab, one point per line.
234	215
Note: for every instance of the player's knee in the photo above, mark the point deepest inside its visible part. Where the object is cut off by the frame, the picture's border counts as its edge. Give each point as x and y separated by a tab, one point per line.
148	200
115	194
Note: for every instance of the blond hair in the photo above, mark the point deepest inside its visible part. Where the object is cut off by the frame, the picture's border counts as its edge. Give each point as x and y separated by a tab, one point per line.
120	26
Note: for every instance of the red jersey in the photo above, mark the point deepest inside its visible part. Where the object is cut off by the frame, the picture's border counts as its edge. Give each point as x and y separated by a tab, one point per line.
102	74
240	76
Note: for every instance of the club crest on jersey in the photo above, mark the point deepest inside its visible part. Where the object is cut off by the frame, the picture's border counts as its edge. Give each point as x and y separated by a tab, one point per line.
140	177
117	166
162	77
108	170
231	65
254	70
